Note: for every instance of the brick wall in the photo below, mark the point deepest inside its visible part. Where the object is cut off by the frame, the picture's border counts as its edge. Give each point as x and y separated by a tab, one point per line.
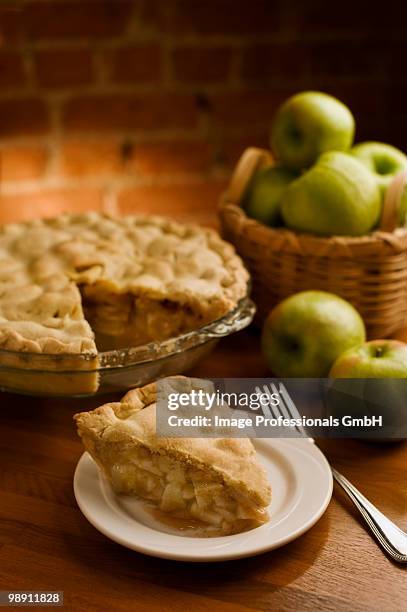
145	105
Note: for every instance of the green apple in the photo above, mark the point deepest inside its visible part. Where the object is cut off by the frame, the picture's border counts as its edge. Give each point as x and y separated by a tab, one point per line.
371	379
337	196
309	124
374	359
385	161
306	333
263	198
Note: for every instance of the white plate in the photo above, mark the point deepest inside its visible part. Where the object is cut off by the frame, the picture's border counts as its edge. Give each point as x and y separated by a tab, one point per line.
301	482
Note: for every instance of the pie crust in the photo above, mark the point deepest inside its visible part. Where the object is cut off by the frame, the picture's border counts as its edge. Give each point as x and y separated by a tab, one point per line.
78	283
216	485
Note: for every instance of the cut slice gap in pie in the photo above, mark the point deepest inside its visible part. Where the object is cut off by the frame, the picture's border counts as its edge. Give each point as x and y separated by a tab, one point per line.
120	320
217	486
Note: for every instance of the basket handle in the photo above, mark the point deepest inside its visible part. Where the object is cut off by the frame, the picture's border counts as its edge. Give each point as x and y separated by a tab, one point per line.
390	214
250	161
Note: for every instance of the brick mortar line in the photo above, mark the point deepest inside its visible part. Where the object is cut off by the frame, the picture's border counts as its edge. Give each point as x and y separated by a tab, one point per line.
143	36
246	85
110	180
114	88
136	138
99	67
110	202
139	137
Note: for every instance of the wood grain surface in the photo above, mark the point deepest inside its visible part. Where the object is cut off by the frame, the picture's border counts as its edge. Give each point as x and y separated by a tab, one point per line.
46	543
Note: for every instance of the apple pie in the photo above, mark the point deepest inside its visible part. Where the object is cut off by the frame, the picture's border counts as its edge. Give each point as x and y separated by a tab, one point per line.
77	284
216	486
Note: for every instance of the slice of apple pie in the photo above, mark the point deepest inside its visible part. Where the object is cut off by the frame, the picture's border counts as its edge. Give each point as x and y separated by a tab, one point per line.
217	486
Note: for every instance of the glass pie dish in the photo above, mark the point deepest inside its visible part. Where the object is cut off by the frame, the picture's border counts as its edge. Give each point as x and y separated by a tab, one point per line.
119	369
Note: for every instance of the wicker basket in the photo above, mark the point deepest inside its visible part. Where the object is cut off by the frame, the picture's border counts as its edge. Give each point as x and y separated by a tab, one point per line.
369	271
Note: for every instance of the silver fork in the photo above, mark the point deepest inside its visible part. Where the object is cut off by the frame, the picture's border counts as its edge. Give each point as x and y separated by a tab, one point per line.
392	539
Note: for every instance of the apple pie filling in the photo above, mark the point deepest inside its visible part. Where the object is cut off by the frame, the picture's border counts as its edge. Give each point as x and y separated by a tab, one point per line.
184	492
120	320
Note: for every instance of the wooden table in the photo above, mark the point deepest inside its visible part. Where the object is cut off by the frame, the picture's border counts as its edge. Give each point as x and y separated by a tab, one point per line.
46	543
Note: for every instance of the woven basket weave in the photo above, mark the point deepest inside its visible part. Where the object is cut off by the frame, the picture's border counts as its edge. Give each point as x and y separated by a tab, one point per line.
369	271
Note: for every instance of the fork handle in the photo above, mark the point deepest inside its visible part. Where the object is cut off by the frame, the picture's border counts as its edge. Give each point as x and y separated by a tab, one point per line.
389	536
